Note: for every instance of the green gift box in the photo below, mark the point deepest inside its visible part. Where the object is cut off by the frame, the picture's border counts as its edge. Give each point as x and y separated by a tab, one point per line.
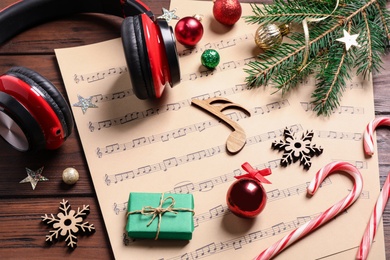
160	215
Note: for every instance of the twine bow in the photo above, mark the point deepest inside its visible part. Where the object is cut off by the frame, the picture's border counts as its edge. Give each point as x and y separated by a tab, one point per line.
254	173
159	211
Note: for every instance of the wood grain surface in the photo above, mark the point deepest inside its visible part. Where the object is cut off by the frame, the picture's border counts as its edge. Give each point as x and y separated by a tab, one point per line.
22	234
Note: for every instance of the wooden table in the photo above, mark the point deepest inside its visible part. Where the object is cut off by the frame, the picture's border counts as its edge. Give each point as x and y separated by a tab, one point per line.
22	234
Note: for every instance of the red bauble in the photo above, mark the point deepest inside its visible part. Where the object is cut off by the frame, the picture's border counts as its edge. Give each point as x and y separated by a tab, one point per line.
188	31
246	198
227	12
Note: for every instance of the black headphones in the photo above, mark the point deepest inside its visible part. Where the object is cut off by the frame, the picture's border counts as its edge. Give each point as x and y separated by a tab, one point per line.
33	113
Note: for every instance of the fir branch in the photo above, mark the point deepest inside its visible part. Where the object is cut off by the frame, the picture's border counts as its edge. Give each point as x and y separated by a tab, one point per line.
331	80
383	19
366	67
260	75
280	66
289	79
278	13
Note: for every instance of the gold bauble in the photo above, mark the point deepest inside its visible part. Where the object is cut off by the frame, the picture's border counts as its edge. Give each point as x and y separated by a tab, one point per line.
270	35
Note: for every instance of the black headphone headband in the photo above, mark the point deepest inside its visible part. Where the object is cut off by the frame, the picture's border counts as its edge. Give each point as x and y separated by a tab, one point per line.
26	14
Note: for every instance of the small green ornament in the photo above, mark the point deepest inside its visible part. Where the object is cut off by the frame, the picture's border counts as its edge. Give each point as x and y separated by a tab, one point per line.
210	58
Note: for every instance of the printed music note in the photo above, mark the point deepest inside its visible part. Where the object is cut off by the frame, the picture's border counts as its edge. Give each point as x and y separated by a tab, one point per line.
165	145
217	211
206	186
99	75
191	157
185	188
176	133
222	44
138	115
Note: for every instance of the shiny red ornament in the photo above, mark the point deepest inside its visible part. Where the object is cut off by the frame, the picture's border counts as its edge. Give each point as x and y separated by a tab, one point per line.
246	197
189	31
227	12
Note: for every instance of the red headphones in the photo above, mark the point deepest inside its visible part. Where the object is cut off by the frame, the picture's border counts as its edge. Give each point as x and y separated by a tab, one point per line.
33	113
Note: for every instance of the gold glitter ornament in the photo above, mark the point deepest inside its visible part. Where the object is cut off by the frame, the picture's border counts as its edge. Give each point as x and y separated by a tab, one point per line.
270	35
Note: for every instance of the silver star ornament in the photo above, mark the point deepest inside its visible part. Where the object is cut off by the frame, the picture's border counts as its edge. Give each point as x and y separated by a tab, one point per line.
168	15
84	103
34	177
349	40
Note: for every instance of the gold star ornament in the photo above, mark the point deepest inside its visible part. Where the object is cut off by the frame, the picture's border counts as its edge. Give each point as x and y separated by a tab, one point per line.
349	40
34	177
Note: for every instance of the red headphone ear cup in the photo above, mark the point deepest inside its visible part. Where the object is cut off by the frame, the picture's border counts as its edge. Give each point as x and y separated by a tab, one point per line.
18	127
51	94
137	57
169	42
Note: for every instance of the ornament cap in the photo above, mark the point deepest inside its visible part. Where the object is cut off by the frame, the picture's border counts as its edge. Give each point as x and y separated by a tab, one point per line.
198	17
284	29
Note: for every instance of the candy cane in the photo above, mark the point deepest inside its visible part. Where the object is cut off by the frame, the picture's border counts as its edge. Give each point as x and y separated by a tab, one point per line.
368	138
372	226
324	217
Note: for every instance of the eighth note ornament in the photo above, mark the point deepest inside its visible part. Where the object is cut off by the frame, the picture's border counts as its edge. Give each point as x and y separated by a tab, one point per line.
246	197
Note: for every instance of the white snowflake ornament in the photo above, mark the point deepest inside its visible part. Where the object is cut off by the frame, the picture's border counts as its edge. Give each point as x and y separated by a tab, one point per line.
297	149
68	223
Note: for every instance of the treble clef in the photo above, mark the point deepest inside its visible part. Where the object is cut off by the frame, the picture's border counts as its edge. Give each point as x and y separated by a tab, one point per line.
91	127
76	79
107	180
99	153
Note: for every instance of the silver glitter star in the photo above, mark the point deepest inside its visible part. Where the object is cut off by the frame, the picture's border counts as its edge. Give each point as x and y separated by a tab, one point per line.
84	103
34	177
168	15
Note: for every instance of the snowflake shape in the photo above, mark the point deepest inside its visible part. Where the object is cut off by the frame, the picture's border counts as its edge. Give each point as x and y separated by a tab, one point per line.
297	149
68	223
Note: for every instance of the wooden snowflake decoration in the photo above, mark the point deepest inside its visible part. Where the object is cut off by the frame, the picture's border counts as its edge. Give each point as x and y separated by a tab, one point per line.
68	223
297	149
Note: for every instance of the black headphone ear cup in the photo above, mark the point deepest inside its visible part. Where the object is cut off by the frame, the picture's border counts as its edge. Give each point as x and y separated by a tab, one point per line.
51	94
18	127
169	42
137	57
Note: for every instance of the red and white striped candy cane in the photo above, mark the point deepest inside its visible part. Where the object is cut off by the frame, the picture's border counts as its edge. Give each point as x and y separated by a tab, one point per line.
324	217
368	137
372	226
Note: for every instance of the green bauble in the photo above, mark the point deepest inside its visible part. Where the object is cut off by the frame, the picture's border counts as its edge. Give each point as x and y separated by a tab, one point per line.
210	58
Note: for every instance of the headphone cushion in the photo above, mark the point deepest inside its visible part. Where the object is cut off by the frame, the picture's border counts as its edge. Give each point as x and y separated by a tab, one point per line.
51	94
30	127
137	57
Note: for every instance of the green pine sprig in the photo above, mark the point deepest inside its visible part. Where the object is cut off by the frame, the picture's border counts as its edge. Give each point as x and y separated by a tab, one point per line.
328	59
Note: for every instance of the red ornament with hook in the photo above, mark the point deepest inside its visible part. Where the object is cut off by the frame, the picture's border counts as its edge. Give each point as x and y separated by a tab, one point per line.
246	197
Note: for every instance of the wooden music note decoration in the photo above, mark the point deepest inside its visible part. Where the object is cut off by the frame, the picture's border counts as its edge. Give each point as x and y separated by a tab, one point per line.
237	138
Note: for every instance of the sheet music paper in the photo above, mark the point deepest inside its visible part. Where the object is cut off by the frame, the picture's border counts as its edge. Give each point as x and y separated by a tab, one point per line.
167	145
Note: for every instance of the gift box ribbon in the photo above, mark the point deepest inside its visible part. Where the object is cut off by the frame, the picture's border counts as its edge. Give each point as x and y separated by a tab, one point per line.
159	211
